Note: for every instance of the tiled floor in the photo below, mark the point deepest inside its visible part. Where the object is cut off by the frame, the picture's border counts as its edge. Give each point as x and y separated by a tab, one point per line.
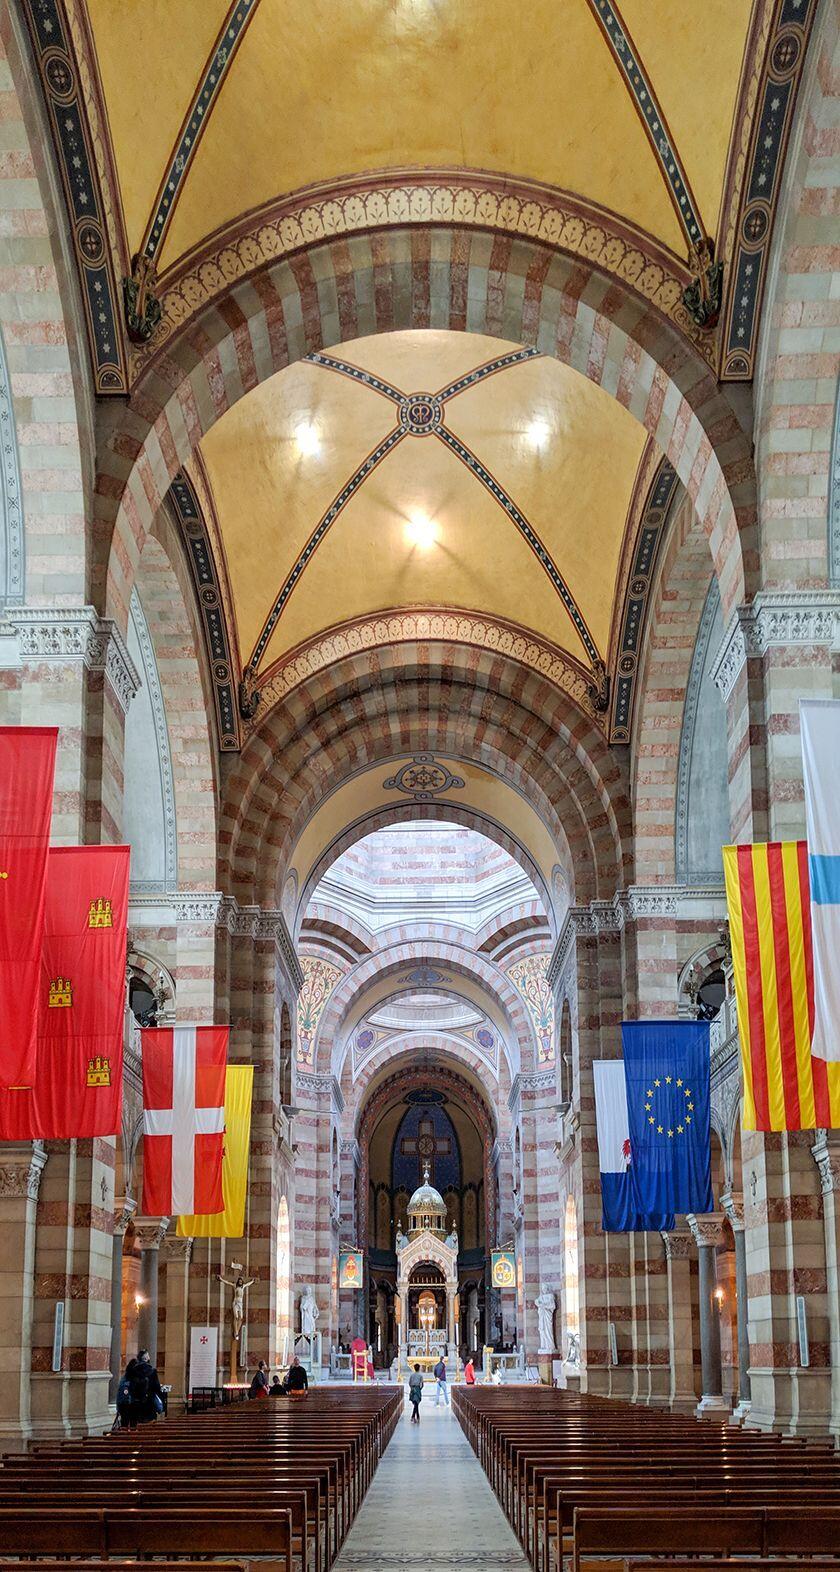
429	1506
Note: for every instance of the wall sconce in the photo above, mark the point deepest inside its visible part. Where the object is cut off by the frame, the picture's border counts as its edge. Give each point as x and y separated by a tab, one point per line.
719	1296
138	1301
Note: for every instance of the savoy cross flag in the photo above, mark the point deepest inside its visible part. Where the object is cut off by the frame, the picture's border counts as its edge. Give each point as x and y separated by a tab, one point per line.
183	1119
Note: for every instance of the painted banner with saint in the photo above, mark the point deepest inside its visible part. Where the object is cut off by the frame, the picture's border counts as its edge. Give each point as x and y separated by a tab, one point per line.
351	1269
503	1270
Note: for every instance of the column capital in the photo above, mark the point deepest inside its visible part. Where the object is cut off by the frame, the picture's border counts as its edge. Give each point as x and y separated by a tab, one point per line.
706	1229
76	633
679	1246
826	1154
149	1231
775	619
733	1206
177	1248
125	1207
24	1178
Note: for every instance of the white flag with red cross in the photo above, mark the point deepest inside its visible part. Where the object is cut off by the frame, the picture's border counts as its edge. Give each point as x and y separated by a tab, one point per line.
183	1119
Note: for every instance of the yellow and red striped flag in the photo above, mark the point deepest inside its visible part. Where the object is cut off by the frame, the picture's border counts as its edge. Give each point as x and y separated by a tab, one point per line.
768	895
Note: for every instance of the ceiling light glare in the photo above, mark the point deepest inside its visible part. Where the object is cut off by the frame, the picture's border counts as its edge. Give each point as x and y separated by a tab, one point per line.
538	433
421	531
307	439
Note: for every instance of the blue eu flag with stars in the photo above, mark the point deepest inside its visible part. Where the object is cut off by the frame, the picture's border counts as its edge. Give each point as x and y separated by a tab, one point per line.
667	1071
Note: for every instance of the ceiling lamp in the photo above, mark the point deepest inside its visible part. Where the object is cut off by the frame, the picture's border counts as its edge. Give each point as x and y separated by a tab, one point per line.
307	439
421	531
538	433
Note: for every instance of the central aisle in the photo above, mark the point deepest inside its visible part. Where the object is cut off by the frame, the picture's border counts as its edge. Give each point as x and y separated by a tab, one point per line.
429	1506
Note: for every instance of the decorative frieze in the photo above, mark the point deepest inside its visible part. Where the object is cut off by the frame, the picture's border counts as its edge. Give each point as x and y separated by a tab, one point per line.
319	1086
678	1246
540	1081
213	908
61	636
776	620
24	1179
634	904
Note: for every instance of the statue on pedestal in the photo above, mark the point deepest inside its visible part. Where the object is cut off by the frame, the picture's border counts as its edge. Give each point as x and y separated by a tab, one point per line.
237	1308
451	1240
309	1312
544	1305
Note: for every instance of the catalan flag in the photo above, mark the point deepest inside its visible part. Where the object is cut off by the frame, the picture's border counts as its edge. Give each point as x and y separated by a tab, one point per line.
769	900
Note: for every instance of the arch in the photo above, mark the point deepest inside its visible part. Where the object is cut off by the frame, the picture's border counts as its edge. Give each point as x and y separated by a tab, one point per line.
702	810
280	314
149	823
447	699
436	1051
347	1000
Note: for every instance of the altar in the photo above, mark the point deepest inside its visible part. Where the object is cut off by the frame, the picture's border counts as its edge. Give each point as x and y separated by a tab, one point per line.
427	1305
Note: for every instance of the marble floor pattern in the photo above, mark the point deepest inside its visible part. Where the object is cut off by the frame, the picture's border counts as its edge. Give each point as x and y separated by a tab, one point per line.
430	1506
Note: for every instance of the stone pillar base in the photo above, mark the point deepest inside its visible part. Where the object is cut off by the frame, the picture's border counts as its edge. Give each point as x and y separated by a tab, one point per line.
545	1365
713	1406
740	1413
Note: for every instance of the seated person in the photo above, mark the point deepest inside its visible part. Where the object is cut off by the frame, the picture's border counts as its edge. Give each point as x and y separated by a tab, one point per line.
277	1388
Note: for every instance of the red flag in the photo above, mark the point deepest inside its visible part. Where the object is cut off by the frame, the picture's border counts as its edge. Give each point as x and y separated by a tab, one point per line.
27	767
183	1119
77	1089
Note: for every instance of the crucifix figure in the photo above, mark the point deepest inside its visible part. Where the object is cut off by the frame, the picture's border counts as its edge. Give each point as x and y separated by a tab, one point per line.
237	1308
427	1146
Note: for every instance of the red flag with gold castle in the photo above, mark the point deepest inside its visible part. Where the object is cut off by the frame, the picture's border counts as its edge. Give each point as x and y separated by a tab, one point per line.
77	1088
27	767
769	900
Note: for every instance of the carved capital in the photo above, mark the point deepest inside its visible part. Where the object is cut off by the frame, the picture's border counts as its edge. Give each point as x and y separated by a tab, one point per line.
678	1246
706	1230
826	1155
149	1231
76	634
733	1206
177	1249
24	1178
125	1207
774	620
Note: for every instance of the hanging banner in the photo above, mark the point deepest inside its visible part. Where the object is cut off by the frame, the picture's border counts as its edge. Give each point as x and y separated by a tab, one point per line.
230	1223
351	1269
77	1087
503	1269
27	767
204	1356
183	1118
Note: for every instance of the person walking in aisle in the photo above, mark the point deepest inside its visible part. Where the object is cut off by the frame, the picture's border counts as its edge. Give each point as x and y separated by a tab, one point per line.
440	1377
415	1393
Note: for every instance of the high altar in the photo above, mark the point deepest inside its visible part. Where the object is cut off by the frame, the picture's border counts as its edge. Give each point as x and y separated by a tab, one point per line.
428	1309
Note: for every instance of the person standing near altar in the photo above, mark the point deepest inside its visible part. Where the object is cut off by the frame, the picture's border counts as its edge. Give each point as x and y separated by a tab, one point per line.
440	1377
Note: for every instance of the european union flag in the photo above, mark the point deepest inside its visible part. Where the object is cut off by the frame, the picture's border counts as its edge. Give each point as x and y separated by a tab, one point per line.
667	1071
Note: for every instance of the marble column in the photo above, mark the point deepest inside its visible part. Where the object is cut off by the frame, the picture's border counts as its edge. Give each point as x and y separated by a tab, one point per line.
124	1210
733	1206
826	1153
177	1253
149	1231
679	1246
20	1179
707	1236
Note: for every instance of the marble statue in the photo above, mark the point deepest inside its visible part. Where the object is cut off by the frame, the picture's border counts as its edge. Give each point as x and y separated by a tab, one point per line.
452	1240
573	1352
401	1240
237	1308
544	1305
309	1312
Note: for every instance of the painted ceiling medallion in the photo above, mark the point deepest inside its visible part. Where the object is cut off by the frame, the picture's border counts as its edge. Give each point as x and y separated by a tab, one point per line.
421	414
423	779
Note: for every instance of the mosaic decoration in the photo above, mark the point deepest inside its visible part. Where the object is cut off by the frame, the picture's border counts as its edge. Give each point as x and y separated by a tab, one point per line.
426	1134
224	51
193	528
319	980
530	978
485	1039
644	97
425	977
758	169
472	200
636	596
423	779
59	72
365	1039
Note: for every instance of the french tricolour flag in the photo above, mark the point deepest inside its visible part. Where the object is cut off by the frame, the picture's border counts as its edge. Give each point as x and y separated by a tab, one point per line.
183	1119
820	727
618	1212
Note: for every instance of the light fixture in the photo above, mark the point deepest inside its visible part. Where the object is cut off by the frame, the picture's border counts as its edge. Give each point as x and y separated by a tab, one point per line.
538	433
307	439
719	1295
421	531
139	1300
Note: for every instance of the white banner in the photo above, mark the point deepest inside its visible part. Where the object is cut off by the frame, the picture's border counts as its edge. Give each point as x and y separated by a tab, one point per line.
819	721
204	1356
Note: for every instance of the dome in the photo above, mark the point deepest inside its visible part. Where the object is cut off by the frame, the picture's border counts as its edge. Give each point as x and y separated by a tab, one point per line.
427	1208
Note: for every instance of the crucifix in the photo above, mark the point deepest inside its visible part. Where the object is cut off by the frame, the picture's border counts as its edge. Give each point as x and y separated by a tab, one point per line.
427	1146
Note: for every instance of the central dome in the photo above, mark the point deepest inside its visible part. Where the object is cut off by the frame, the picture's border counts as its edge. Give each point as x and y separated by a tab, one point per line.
427	1208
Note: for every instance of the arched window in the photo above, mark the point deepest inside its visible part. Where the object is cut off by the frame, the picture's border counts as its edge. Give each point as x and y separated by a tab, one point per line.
285	1057
570	1278
284	1283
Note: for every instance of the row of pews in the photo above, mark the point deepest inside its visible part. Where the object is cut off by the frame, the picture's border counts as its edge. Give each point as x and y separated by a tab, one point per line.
278	1480
599	1483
